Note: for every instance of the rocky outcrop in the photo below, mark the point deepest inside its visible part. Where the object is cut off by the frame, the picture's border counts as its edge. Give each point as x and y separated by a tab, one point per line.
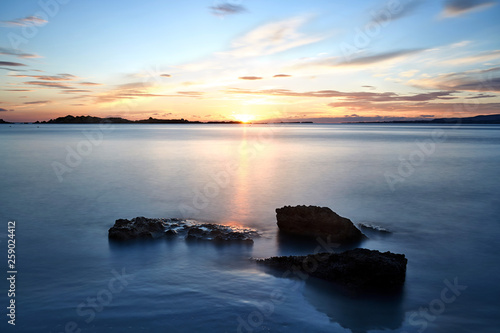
358	269
317	222
146	228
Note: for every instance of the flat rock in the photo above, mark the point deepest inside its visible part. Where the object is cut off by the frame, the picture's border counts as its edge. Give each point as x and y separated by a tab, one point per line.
358	269
147	228
317	222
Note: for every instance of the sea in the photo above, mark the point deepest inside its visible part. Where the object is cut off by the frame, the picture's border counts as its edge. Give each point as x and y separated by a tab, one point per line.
431	192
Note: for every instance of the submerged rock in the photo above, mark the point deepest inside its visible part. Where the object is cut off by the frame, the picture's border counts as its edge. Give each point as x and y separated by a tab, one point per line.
373	228
317	222
144	228
358	269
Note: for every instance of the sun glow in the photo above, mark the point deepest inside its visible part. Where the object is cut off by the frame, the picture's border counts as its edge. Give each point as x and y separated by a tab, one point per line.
244	118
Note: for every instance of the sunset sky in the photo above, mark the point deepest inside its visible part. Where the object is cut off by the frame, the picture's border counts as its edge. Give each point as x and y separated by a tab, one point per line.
257	60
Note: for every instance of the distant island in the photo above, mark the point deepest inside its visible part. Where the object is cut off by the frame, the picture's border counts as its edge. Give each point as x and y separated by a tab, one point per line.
4	122
116	120
490	119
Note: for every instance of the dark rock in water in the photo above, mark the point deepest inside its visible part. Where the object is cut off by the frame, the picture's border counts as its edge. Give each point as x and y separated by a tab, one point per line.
144	228
358	269
317	222
139	227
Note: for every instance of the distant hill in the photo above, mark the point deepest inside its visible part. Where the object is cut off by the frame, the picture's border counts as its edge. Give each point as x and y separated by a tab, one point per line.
489	119
4	122
112	120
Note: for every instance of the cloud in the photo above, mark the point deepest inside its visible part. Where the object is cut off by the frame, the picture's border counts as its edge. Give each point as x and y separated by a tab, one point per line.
128	91
454	109
474	80
272	38
226	8
359	62
478	85
49	84
166	75
25	21
250	78
90	84
481	96
11	64
190	93
381	57
409	73
37	102
350	96
3	110
454	8
76	91
17	90
407	8
478	58
58	77
17	53
282	75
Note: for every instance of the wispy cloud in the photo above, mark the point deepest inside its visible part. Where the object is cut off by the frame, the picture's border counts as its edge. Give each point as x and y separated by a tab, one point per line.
76	91
353	96
17	53
282	75
226	8
166	75
389	57
49	84
58	77
38	103
128	91
89	84
381	57
190	93
251	78
25	21
3	110
272	38
474	80
11	64
455	8
474	59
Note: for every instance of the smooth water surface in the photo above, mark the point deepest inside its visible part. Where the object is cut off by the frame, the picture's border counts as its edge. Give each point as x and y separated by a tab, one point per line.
435	187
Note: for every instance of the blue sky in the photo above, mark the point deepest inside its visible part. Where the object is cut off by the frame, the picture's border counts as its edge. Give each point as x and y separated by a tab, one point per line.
249	60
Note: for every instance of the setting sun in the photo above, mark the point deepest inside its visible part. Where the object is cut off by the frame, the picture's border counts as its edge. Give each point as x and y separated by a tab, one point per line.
245	118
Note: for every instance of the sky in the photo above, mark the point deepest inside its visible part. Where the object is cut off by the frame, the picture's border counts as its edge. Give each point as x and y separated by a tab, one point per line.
249	60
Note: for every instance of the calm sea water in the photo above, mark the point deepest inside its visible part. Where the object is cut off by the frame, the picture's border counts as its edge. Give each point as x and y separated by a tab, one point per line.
435	187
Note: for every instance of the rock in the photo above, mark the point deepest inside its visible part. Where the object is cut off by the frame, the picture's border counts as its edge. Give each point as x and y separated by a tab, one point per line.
358	269
139	227
317	222
144	228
